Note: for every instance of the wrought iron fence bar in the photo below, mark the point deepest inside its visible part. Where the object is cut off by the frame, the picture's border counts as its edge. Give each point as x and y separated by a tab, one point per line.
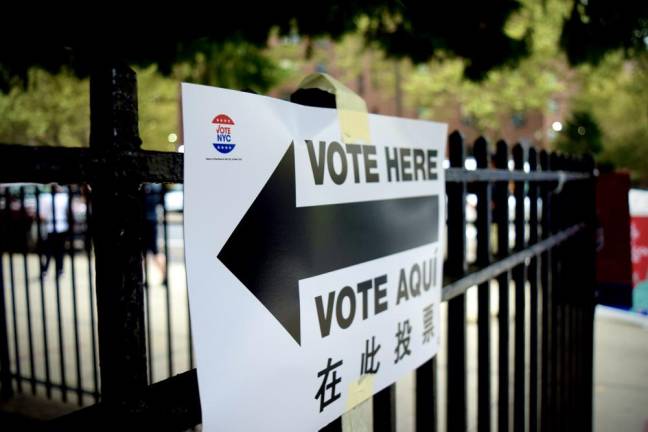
165	282
384	416
426	396
557	256
477	275
12	290
171	404
519	279
456	266
21	163
28	311
43	301
91	292
54	239
501	219
117	232
483	225
63	165
6	386
491	175
75	304
533	278
546	366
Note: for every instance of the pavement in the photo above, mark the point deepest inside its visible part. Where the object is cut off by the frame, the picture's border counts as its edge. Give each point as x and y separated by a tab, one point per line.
621	371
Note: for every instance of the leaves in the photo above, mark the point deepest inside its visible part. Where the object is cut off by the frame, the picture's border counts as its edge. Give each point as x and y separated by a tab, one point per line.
615	92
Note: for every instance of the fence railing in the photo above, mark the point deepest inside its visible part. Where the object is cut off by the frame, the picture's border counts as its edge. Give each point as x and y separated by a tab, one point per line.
111	332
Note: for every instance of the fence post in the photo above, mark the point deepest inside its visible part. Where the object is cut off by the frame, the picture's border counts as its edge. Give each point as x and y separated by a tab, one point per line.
117	229
556	302
501	194
546	368
455	268
533	277
589	300
6	389
519	277
483	225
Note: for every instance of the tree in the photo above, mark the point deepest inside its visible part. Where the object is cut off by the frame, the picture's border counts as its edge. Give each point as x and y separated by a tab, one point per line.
422	31
439	87
597	27
53	109
581	135
615	92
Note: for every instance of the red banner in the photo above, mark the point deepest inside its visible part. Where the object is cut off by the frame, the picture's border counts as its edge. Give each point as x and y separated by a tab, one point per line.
639	241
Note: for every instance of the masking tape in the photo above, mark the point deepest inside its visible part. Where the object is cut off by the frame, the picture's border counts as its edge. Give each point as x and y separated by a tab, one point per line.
351	108
360	390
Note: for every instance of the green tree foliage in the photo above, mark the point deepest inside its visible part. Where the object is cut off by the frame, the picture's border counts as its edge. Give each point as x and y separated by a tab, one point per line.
52	110
597	27
580	135
439	87
230	64
473	31
615	93
514	47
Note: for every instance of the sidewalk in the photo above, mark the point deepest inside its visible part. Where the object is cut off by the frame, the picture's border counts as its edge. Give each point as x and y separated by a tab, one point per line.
621	371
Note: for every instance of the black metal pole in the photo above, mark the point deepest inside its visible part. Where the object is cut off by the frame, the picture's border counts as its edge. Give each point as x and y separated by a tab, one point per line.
426	397
165	281
589	299
484	220
546	275
75	305
91	293
502	220
384	407
57	283
6	388
556	307
14	315
30	333
533	277
117	229
569	277
455	268
43	302
519	277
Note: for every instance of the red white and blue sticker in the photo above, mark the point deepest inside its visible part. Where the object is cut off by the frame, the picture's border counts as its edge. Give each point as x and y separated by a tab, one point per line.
224	126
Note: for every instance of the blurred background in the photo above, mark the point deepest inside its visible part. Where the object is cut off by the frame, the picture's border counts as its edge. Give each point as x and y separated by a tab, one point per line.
559	74
563	75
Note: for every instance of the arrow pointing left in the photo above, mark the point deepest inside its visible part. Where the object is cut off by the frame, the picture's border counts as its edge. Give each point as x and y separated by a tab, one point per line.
277	244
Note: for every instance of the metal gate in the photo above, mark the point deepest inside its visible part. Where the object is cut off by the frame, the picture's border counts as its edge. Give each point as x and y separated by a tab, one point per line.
520	228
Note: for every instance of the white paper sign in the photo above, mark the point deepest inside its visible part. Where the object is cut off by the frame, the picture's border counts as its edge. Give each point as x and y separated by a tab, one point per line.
314	266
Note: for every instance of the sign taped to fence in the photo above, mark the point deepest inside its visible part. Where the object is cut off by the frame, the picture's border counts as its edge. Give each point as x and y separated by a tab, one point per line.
314	265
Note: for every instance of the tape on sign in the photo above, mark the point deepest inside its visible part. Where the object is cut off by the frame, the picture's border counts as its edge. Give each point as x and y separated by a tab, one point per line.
351	108
360	390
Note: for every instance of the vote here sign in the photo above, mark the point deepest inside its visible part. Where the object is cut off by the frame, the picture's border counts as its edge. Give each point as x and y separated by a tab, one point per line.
314	265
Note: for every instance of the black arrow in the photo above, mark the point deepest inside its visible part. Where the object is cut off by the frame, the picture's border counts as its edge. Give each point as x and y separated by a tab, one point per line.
276	244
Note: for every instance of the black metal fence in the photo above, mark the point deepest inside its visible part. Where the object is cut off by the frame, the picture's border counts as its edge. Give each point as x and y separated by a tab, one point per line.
47	262
105	323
